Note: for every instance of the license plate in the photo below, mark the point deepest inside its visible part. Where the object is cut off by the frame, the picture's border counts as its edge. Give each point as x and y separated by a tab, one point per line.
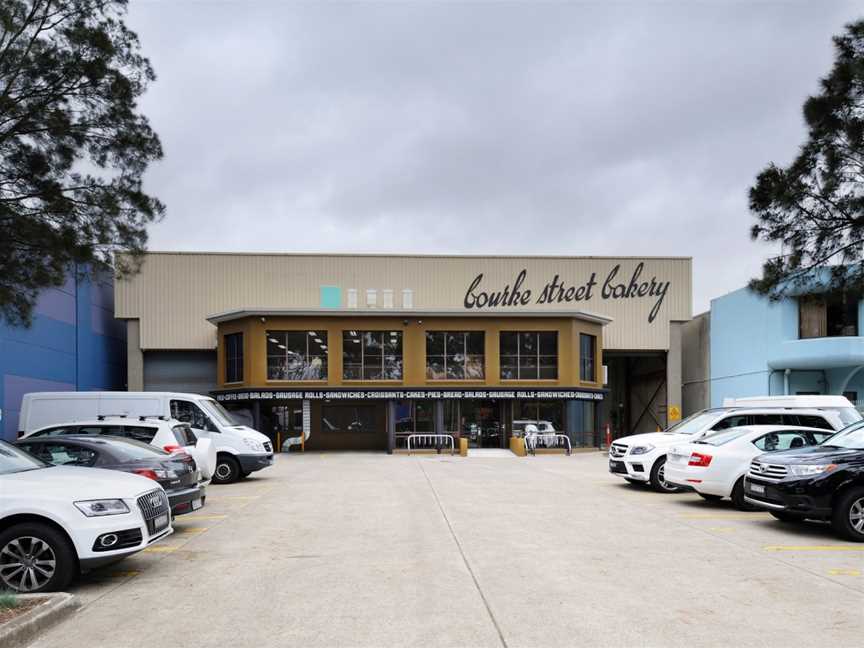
759	489
196	504
160	522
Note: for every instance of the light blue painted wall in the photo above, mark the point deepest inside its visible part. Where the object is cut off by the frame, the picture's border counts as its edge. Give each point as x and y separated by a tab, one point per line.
73	343
748	332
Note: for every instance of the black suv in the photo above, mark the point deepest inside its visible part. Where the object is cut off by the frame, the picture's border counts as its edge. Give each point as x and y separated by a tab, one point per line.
824	482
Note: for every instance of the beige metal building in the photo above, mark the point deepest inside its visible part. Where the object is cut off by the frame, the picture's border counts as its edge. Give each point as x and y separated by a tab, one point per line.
180	308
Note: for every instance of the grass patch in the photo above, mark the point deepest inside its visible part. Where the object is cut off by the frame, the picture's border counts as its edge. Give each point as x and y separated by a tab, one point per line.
8	601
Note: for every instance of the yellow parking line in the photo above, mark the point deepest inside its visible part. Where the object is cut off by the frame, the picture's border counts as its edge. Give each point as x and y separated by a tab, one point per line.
124	574
812	548
203	517
191	529
722	529
160	549
722	516
844	572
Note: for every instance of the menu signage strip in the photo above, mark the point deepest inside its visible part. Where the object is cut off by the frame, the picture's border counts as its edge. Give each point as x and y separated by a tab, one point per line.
430	394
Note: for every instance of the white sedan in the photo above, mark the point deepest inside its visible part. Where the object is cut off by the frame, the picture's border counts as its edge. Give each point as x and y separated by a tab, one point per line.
715	466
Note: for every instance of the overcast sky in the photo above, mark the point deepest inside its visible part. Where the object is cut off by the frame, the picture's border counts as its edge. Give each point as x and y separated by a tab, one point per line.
557	128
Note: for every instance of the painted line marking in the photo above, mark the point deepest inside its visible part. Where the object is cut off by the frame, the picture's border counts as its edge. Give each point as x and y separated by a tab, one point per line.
844	572
129	573
722	529
811	548
203	517
166	549
727	516
190	530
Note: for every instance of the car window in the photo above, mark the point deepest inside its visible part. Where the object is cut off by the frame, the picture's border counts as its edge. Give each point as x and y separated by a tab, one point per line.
15	459
722	437
131	450
184	435
188	412
821	436
730	421
64	454
55	431
143	433
813	421
766	419
106	430
782	440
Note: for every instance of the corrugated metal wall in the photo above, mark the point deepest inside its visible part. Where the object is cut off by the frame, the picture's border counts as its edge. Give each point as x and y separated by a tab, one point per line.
176	292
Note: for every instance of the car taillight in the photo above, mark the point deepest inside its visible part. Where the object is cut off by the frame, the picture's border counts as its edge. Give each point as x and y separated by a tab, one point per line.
171	448
699	459
144	472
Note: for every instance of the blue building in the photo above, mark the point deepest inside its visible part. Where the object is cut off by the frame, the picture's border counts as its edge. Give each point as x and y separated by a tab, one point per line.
74	343
808	344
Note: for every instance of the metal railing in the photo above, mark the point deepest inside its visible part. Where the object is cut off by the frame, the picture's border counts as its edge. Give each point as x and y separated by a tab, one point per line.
436	442
534	440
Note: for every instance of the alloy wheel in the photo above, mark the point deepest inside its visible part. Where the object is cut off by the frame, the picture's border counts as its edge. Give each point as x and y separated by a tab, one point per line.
27	564
661	476
856	515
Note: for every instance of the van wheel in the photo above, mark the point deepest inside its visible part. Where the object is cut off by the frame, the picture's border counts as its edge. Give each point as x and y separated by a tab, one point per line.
738	497
34	558
848	516
658	478
227	470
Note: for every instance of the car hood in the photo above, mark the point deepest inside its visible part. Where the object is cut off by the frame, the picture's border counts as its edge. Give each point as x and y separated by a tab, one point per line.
74	483
657	439
812	455
248	433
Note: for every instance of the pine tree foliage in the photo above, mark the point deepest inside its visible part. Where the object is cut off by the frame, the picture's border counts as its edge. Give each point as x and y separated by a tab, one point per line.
814	207
73	146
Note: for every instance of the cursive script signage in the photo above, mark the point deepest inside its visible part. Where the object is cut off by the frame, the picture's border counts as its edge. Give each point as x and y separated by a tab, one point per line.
614	286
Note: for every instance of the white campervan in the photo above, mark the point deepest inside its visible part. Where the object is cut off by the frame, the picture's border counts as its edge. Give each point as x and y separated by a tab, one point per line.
240	450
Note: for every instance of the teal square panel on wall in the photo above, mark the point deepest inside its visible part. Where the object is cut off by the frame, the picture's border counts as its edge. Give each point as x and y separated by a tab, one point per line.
331	297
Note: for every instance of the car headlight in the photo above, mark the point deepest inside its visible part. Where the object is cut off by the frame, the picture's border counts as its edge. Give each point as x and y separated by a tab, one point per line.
96	508
254	445
640	450
808	470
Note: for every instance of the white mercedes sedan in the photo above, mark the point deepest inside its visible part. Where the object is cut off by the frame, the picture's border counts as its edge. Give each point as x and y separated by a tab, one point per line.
715	466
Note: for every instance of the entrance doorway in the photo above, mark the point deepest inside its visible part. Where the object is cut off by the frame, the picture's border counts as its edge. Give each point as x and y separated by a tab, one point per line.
481	424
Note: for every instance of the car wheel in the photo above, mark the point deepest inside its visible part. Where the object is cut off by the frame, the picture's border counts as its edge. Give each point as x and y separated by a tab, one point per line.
783	516
658	478
738	497
848	516
710	498
227	470
35	558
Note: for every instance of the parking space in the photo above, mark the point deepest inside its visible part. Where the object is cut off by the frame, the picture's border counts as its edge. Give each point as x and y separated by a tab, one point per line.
375	550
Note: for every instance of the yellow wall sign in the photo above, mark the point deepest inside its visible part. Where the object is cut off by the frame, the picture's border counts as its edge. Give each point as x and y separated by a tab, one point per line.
674	413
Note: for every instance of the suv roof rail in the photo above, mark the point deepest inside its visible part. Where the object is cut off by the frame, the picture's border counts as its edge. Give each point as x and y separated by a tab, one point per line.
102	417
160	417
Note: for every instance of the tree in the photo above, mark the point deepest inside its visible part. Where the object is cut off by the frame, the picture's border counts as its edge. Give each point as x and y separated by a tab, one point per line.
815	206
73	147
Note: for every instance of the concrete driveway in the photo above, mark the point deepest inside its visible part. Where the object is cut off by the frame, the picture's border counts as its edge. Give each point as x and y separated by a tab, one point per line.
374	550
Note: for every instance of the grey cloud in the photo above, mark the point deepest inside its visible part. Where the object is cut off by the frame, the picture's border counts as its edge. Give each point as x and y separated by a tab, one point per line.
506	128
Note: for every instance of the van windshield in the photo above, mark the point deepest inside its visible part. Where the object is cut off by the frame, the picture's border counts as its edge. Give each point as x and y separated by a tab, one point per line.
214	409
696	422
848	415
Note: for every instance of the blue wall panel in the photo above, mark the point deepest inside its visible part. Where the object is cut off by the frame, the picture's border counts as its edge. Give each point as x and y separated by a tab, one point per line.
73	343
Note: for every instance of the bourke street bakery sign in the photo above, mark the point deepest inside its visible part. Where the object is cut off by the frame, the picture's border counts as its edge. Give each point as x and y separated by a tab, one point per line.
614	286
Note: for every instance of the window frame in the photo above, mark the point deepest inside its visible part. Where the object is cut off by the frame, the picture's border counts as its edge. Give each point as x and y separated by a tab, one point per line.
322	333
593	358
536	357
348	334
463	352
233	361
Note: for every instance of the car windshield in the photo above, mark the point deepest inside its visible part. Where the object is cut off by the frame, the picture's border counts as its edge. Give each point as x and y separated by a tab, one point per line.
696	422
723	437
848	415
852	437
129	450
15	460
218	412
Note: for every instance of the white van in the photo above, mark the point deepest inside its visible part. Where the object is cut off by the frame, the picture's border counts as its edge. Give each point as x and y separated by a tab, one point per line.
240	450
